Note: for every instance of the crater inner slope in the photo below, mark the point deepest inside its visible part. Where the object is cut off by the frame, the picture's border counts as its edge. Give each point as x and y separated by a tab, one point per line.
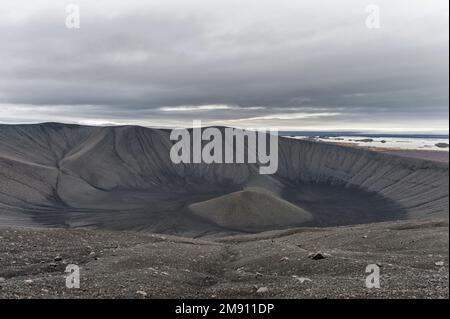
58	175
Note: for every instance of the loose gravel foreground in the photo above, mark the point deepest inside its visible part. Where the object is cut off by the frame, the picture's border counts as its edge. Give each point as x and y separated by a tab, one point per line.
298	263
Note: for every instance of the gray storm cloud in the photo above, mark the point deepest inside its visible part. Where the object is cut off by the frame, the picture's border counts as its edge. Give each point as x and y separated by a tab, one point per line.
280	63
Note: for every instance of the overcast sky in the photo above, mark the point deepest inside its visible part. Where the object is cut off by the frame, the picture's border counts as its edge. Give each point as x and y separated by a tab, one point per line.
307	65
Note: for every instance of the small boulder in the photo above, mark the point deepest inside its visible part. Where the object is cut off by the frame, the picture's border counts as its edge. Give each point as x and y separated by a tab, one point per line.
317	256
262	290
